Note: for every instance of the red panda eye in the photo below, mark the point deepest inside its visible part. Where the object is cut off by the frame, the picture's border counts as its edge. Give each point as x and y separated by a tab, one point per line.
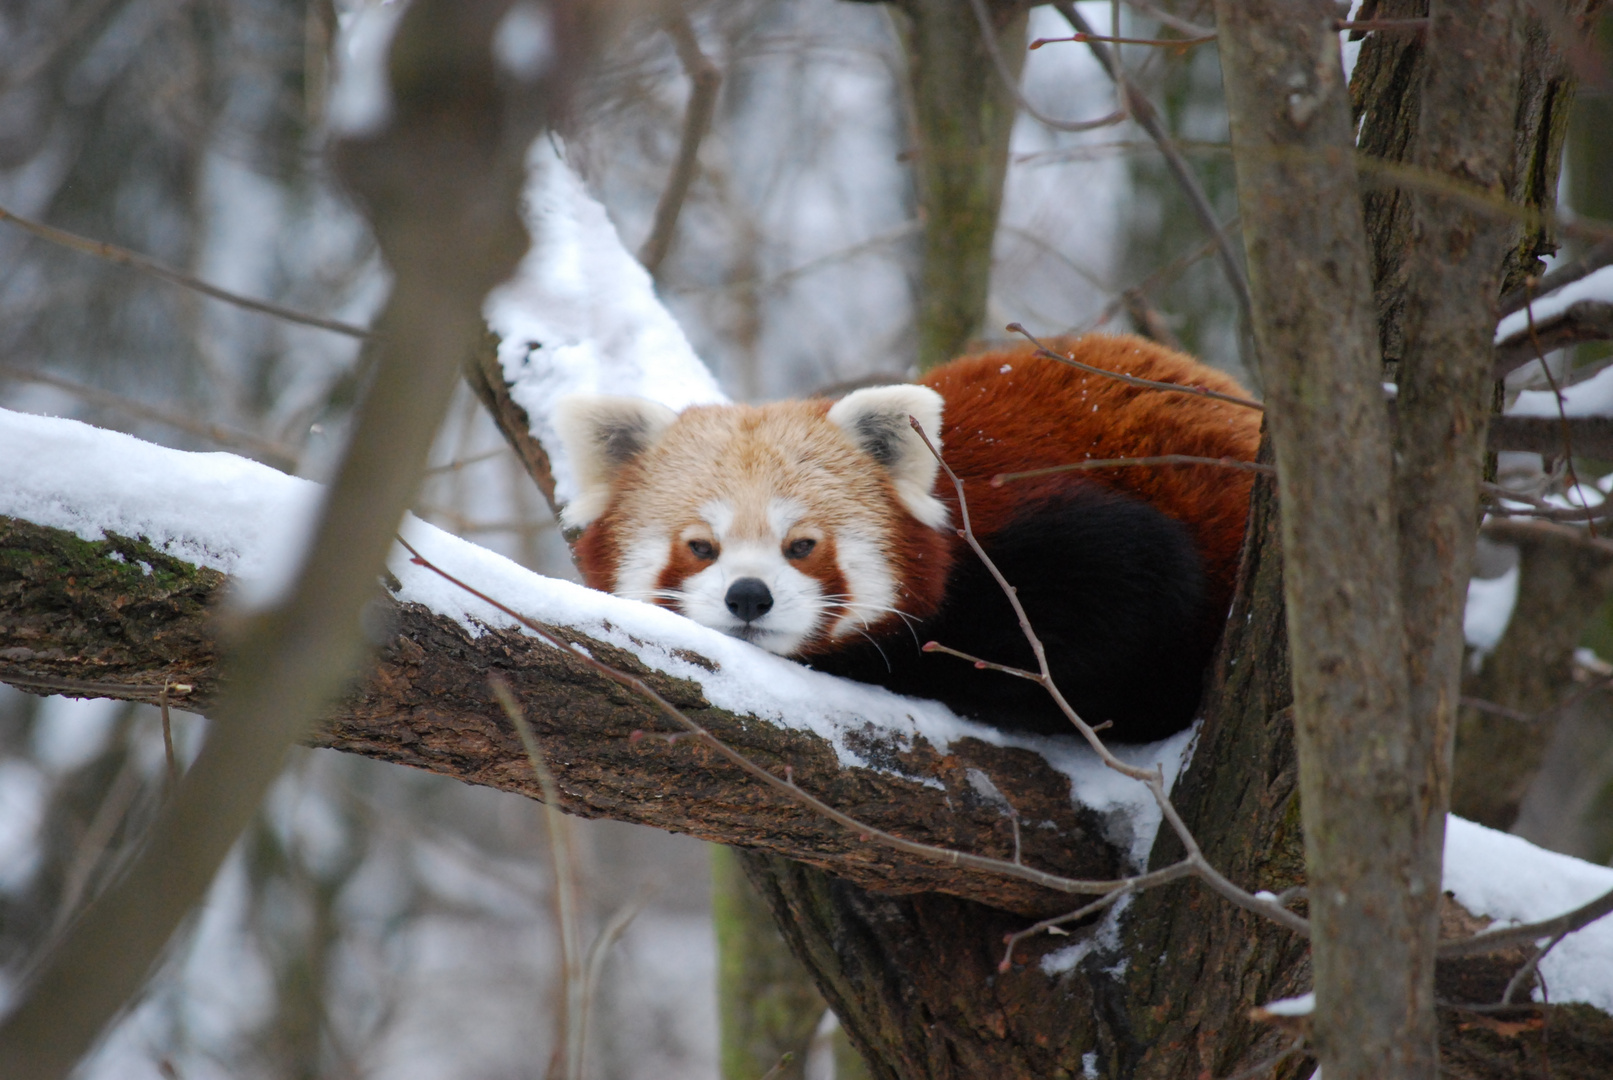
702	549
800	549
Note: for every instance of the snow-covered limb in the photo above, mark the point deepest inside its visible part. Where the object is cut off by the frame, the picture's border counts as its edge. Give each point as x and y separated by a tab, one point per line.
898	763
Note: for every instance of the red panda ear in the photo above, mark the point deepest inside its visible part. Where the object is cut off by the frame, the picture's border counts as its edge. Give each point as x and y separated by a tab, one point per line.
876	420
600	434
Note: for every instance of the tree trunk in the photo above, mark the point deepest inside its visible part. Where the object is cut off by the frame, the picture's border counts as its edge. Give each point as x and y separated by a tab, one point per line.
963	114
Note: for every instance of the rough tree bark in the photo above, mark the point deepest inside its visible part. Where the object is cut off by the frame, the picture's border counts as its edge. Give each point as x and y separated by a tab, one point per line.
963	113
1313	322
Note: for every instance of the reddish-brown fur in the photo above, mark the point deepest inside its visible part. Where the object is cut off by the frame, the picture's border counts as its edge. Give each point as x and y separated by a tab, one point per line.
1040	413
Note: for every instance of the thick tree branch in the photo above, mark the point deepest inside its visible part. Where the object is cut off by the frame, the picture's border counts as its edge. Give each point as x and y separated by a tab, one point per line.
72	613
1445	392
1587	320
1592	435
1310	278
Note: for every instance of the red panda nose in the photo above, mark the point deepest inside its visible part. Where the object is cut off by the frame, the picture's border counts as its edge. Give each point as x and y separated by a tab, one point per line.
749	599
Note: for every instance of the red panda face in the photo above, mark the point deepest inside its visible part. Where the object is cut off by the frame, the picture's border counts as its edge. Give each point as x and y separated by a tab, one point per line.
780	524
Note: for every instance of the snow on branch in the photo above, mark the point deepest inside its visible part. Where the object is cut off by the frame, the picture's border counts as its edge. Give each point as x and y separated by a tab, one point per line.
164	529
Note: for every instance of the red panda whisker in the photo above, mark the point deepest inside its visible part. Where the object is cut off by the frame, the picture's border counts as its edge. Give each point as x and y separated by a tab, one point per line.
877	649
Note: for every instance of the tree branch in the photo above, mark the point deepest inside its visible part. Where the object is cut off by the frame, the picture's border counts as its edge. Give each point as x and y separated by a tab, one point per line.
1143	111
124	257
1586	320
704	82
427	704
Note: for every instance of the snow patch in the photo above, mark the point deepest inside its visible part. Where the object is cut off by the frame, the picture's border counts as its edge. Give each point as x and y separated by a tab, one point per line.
1303	1005
1489	608
581	316
1510	880
1103	938
1597	285
1593	397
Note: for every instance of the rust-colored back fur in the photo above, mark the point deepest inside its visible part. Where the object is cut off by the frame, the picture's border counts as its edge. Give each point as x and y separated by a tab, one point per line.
1010	410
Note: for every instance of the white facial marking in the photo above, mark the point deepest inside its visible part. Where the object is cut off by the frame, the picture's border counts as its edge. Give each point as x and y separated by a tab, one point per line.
868	579
644	557
782	514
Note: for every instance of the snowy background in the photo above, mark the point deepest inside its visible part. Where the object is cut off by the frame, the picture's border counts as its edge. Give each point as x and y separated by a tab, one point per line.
379	922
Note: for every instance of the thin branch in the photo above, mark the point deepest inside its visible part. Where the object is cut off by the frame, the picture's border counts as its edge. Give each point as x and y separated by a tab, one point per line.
1142	110
1562	413
1530	966
1580	322
1155	278
1175	22
465	463
134	260
705	80
989	36
1177	43
1122	463
277	454
86	688
1133	380
1494	940
1153	780
567	1056
1593	260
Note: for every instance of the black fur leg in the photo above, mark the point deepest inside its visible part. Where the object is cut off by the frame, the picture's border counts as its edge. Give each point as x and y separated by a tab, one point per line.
1115	590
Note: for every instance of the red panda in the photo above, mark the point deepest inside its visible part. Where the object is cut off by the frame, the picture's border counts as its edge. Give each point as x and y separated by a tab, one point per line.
826	531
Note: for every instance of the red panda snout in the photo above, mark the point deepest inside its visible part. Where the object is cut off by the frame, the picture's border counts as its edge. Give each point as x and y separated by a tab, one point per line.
767	576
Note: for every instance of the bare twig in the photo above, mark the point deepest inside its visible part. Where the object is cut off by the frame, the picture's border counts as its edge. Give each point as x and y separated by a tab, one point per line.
1012	84
612	932
1494	940
1177	43
1142	110
1152	779
1529	967
571	1044
1153	280
148	692
1138	462
168	738
705	80
1562	414
1165	18
1133	380
465	463
270	453
134	260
